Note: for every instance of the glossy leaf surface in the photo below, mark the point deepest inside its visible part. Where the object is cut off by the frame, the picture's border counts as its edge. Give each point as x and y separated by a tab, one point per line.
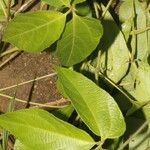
35	31
95	106
47	132
80	38
58	3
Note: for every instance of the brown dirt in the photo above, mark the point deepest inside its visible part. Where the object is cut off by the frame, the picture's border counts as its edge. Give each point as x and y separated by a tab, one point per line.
26	67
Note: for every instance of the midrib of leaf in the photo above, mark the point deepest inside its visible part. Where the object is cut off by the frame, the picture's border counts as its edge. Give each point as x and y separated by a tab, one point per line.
52	132
63	2
87	27
36	28
87	107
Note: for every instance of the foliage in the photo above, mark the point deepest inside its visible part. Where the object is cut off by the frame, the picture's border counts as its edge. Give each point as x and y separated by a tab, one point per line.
104	72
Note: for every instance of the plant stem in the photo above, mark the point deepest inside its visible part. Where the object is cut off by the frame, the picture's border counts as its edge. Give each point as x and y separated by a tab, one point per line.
139	31
29	81
24	6
8	10
2	3
100	143
9	51
96	8
10	58
92	69
42	4
135	134
106	8
33	103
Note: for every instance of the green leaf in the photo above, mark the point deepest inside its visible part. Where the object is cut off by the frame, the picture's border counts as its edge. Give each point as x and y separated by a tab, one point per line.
142	15
4	4
78	1
58	3
142	92
83	9
2	16
35	31
40	130
1	147
3	7
80	38
96	107
19	146
61	89
114	59
137	82
64	113
126	16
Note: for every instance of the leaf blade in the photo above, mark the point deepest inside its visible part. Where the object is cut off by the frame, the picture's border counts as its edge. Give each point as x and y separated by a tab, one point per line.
79	39
78	1
114	59
96	103
46	131
34	31
57	3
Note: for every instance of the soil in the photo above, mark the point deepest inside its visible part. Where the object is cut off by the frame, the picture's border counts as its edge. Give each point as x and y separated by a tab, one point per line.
26	67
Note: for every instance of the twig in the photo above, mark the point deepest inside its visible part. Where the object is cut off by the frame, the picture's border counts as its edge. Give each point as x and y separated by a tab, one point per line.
107	7
92	69
8	51
133	135
140	31
26	82
100	143
96	8
24	6
10	58
8	10
53	104
3	7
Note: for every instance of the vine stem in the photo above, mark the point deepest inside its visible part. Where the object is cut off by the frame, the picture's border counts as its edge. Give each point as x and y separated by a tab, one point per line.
107	7
92	69
9	51
29	81
100	143
139	31
96	8
2	6
12	56
135	134
24	6
8	10
48	105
